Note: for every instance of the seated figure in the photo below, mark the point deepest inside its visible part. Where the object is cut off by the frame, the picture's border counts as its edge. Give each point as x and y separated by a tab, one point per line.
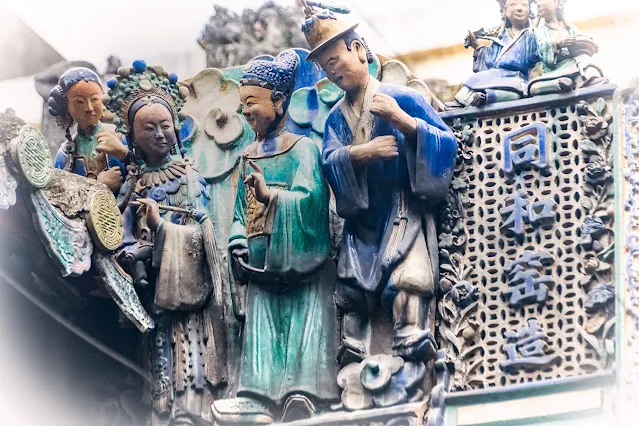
502	69
566	54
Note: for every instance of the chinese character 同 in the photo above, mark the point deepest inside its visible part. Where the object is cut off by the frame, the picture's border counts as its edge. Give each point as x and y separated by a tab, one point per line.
526	146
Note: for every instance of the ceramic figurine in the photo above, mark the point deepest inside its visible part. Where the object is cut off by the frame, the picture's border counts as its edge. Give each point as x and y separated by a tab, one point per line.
94	152
169	247
566	54
388	158
502	69
279	243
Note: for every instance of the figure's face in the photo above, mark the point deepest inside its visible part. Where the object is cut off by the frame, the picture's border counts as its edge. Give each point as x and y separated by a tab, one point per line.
85	103
518	12
547	8
346	68
153	132
259	109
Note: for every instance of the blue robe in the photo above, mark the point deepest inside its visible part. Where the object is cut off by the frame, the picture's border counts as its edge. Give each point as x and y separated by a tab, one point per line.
505	64
370	198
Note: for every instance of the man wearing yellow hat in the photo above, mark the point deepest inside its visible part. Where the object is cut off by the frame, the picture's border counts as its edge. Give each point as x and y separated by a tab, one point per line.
389	160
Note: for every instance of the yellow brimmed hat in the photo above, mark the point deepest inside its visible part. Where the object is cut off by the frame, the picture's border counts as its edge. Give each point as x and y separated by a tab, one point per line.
322	27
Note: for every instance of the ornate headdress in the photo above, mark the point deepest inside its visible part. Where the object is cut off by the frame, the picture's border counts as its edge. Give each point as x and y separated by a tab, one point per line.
58	102
277	75
322	27
141	82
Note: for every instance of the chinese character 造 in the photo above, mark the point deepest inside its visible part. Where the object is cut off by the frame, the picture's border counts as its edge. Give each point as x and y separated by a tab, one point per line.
526	348
525	147
526	284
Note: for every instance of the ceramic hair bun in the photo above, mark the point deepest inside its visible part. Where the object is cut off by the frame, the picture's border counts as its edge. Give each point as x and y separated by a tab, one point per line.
57	102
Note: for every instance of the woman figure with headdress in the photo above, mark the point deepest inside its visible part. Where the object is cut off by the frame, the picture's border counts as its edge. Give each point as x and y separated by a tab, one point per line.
93	152
164	218
502	69
566	54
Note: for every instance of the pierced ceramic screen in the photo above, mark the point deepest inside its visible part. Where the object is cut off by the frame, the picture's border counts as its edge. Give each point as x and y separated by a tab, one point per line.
528	295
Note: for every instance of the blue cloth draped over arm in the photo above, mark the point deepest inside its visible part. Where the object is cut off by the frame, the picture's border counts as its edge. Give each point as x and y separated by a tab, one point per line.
431	158
349	183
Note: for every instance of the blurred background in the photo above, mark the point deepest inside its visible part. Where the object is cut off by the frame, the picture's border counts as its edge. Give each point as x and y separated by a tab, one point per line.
189	35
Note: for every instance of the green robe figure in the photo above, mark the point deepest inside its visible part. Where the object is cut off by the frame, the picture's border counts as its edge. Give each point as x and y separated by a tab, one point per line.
279	244
566	54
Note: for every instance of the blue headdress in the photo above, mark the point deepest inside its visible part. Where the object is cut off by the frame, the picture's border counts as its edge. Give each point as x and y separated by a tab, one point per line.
58	102
277	75
140	85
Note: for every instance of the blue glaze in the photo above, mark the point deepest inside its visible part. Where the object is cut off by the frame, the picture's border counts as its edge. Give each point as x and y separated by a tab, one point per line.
270	143
367	197
112	83
139	66
309	72
187	131
505	65
173	78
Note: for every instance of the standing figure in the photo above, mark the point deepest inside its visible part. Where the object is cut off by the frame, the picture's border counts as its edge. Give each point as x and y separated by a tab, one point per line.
389	159
93	152
566	54
502	69
279	243
168	248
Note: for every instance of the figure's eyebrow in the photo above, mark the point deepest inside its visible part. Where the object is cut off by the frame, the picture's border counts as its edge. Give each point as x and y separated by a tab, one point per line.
249	97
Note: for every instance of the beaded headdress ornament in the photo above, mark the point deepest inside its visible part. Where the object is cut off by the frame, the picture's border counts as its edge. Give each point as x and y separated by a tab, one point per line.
139	82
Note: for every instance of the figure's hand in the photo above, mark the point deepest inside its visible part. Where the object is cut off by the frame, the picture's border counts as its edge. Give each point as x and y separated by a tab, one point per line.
386	108
240	252
110	144
152	212
111	178
380	148
471	40
257	183
566	42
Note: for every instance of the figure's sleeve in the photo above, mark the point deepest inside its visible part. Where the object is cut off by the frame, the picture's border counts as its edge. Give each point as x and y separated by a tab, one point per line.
179	256
532	49
62	159
299	237
431	159
484	57
546	48
237	235
349	183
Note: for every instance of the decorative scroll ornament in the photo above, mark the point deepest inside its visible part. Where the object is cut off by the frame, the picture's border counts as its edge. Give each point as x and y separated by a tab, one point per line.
597	235
8	186
457	308
627	119
380	381
104	221
67	241
32	157
120	287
